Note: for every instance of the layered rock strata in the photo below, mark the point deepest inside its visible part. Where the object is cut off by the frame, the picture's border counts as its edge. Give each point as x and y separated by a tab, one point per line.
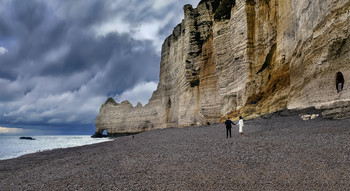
245	57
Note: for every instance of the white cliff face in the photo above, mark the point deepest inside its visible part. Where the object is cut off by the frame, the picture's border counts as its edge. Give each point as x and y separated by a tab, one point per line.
321	51
267	56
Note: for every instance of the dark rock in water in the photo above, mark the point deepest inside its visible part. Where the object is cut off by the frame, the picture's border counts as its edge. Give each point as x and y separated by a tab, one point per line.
99	135
27	138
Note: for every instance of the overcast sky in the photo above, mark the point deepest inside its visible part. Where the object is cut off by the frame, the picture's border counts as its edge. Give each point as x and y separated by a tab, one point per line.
61	59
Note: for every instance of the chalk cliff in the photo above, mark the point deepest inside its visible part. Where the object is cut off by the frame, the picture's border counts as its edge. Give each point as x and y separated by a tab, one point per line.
245	57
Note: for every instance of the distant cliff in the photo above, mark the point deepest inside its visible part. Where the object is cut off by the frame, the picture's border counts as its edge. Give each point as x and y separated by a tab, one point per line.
245	57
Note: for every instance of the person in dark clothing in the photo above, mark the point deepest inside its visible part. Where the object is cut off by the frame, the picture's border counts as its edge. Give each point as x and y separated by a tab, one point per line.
228	123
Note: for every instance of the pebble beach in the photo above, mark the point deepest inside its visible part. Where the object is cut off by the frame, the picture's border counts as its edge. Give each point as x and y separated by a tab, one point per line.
277	152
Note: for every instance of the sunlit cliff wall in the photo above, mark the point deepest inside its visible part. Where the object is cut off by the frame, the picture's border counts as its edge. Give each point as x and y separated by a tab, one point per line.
244	57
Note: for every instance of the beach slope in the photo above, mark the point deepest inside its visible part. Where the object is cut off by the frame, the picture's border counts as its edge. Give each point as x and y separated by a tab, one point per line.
277	152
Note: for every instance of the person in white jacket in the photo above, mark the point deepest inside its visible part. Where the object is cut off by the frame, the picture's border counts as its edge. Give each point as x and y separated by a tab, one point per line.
240	125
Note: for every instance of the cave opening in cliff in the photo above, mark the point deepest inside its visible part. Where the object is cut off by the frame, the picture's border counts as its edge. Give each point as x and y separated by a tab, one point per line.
168	114
339	82
169	103
195	82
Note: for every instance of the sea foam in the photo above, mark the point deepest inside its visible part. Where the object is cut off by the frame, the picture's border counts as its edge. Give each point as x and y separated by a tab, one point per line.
12	146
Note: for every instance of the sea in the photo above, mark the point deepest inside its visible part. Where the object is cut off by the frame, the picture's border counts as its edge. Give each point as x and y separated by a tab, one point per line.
13	147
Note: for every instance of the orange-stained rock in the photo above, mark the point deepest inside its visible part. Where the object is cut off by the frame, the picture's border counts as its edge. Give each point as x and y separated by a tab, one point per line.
267	56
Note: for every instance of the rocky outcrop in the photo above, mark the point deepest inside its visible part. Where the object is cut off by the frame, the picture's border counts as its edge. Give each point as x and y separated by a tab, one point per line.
27	138
245	57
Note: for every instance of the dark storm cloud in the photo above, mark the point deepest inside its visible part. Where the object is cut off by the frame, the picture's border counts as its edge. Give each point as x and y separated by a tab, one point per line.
60	59
42	35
